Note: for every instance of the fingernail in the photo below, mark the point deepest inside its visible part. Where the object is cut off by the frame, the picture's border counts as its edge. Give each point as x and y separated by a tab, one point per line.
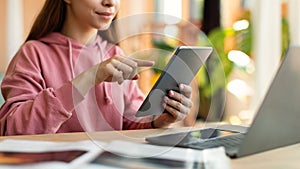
171	93
166	99
181	86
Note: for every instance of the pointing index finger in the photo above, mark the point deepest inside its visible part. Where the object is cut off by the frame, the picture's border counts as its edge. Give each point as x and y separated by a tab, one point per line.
143	63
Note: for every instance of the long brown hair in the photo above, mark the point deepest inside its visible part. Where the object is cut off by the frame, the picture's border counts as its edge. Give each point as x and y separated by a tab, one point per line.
50	19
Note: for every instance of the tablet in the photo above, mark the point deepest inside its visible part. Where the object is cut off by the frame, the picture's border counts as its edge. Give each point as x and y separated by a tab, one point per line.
181	69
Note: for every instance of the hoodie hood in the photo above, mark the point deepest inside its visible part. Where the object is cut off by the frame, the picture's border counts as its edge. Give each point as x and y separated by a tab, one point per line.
57	38
106	49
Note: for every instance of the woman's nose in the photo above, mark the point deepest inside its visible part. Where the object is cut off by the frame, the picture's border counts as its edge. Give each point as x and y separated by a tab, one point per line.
109	3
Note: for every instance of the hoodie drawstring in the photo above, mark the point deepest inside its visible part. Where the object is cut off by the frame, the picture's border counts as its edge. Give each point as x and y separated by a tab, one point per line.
107	97
70	57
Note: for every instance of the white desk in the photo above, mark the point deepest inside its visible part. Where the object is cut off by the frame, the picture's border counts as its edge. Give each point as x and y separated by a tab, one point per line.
282	158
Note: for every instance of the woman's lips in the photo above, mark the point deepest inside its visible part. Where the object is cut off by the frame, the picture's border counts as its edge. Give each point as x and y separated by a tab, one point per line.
105	15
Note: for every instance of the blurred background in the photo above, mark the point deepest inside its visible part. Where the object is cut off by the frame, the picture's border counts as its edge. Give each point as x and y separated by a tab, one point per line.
250	38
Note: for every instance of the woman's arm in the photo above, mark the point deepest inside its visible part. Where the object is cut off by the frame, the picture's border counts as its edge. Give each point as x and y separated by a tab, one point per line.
30	109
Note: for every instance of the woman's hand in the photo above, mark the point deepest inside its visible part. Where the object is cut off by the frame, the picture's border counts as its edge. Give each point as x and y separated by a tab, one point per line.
176	105
119	68
115	69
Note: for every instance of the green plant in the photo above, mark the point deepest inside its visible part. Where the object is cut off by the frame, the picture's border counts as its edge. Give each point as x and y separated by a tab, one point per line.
218	64
210	83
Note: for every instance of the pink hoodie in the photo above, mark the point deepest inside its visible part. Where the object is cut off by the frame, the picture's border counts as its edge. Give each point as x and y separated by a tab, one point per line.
40	98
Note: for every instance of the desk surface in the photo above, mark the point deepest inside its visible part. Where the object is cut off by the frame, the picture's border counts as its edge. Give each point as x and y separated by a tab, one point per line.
287	157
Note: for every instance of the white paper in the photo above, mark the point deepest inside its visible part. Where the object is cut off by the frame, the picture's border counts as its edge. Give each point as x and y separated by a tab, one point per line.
93	148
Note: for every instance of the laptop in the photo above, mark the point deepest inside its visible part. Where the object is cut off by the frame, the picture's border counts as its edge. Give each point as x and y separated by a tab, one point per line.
275	125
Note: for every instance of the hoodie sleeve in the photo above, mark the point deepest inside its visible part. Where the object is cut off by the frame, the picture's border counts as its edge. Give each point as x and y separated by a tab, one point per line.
30	106
134	98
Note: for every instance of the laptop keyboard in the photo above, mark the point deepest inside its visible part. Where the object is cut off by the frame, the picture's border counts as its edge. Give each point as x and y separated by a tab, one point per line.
229	142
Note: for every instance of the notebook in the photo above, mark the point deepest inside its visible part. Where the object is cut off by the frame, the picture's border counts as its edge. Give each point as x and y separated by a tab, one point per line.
275	125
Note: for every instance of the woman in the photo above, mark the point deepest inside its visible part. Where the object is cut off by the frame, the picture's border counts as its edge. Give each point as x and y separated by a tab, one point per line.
65	78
